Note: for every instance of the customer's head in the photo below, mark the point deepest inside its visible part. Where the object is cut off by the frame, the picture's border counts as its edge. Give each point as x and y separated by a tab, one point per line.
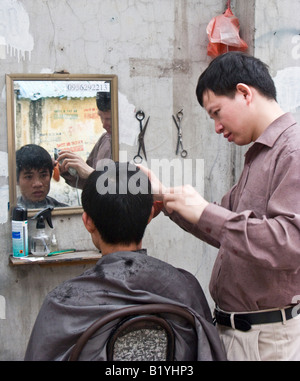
228	70
34	171
119	201
103	101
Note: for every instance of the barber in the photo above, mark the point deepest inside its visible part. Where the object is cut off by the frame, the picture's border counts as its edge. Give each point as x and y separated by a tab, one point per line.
255	281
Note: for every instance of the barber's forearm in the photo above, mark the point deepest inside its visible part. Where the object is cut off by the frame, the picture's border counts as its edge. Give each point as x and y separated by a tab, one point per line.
194	229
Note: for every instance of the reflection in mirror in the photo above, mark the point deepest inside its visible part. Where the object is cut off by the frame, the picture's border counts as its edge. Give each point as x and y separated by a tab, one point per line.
34	172
70	120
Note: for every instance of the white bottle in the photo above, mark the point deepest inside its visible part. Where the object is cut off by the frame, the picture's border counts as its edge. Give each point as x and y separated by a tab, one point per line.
19	232
54	246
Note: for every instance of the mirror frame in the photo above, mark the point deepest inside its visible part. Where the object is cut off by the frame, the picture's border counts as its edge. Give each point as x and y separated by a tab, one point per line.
11	125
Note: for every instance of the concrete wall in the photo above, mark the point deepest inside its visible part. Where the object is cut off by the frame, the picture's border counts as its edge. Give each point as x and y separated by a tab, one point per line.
158	50
277	42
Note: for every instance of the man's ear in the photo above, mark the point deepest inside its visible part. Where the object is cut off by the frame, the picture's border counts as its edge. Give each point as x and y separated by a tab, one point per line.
245	90
88	222
151	214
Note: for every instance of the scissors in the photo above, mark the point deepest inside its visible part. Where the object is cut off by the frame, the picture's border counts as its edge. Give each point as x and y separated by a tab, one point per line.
179	117
140	116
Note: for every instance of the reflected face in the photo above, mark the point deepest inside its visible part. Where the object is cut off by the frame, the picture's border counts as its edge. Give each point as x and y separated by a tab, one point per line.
105	117
34	184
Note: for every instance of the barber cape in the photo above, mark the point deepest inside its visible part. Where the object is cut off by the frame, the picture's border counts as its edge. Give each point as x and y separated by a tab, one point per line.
119	280
48	201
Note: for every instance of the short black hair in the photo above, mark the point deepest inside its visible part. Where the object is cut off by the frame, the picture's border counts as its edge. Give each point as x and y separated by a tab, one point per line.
227	70
119	201
103	101
33	156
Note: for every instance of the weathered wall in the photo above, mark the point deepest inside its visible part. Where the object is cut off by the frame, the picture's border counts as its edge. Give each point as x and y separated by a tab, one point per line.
277	41
158	50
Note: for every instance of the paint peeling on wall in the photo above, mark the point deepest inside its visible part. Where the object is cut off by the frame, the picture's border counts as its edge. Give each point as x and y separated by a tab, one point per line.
2	307
128	125
4	192
288	91
15	38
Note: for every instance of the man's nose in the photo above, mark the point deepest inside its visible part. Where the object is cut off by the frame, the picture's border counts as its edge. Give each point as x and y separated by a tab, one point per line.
219	127
37	182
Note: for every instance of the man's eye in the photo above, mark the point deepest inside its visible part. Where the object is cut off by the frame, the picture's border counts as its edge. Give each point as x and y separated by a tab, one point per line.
44	174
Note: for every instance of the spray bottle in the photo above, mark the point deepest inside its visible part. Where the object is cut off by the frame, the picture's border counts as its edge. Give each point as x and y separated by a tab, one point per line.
40	241
19	232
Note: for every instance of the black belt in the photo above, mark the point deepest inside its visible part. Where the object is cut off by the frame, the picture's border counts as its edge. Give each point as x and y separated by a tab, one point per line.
243	322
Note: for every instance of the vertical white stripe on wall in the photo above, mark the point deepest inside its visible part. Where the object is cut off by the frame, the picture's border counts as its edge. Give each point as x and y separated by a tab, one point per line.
4	192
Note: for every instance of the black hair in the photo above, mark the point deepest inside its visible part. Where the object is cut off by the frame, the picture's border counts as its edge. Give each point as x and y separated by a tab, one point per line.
32	156
227	70
119	201
103	101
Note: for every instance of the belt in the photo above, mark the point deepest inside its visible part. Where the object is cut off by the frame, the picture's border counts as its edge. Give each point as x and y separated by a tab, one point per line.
243	322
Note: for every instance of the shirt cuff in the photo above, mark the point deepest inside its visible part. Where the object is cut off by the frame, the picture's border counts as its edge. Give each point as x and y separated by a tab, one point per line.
213	219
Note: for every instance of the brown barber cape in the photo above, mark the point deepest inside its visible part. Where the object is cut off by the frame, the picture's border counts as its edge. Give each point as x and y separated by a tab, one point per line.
117	280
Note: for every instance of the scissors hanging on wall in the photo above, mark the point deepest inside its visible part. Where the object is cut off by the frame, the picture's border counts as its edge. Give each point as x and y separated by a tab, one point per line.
177	121
140	116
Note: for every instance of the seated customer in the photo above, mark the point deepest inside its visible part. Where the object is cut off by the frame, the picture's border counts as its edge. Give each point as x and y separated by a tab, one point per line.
118	205
34	172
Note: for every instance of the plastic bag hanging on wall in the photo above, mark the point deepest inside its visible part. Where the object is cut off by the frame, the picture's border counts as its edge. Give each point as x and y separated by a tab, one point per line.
223	34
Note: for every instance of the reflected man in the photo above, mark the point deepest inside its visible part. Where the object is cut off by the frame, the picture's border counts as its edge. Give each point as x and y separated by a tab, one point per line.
34	172
101	150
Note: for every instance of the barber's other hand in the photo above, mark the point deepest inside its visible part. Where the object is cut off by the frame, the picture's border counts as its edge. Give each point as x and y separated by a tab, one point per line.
186	201
69	159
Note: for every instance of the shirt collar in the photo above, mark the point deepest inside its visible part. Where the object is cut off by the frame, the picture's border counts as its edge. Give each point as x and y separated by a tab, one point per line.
275	129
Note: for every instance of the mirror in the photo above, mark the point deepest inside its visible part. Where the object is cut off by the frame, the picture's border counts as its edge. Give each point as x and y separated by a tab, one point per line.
59	112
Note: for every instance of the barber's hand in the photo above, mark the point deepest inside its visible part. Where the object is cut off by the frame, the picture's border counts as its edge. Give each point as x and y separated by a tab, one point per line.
186	201
158	188
71	160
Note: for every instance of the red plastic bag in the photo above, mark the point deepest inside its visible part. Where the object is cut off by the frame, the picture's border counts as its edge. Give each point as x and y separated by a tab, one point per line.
223	34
